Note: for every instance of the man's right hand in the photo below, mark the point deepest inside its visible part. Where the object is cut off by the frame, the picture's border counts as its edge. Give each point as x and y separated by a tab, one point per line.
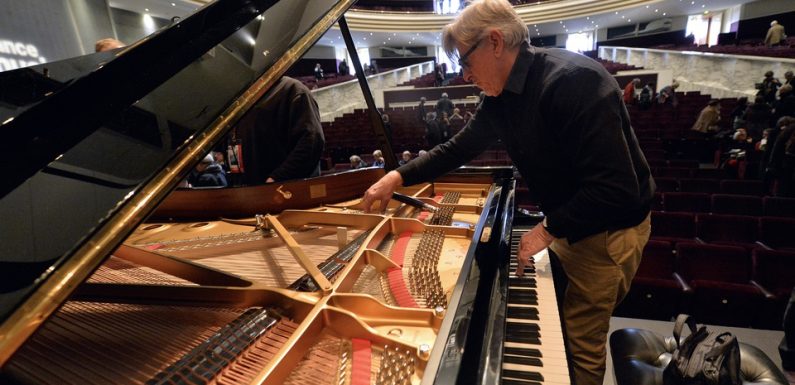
381	191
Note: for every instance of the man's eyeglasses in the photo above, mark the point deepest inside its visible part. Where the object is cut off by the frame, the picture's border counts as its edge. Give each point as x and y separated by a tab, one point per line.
463	61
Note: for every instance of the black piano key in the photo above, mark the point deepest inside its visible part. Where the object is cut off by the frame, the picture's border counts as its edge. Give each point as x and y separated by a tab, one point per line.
519	333
521	281
518	293
522	375
522	326
518	382
523	352
523	312
522	339
523	361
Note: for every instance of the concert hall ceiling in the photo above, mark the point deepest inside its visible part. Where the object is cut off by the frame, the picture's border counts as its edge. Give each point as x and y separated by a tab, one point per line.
404	28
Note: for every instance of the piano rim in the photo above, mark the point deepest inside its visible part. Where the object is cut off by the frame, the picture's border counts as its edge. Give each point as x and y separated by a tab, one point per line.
44	300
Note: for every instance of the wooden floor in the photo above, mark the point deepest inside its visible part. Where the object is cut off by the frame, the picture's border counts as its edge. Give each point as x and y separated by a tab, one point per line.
766	340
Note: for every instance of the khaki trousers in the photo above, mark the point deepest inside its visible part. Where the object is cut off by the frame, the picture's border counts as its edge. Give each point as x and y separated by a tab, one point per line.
599	270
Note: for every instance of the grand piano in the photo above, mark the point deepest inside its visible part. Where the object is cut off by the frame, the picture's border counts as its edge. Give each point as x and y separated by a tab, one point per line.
110	274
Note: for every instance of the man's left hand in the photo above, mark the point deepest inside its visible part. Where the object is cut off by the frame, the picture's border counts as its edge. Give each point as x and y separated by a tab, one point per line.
532	242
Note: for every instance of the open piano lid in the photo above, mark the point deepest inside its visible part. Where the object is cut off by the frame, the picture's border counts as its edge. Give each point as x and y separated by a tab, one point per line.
96	142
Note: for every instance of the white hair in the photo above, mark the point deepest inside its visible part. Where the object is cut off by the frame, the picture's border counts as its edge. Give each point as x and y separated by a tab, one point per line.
475	21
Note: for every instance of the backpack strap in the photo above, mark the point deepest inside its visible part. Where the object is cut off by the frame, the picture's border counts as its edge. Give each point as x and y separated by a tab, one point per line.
725	344
681	319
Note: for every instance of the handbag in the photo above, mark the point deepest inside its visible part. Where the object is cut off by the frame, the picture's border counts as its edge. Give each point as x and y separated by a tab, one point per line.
703	357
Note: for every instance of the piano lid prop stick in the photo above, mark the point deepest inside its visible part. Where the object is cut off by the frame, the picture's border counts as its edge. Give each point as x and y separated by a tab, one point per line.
299	255
414	202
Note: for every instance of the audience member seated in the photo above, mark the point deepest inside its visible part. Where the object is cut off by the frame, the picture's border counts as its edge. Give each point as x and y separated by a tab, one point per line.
207	174
405	157
421	153
378	159
357	162
456	116
788	77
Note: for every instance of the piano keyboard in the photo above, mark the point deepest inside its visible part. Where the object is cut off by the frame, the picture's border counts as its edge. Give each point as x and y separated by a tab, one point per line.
534	352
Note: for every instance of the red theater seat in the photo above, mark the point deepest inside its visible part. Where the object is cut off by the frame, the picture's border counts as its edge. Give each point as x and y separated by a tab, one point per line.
736	204
686	202
733	230
775	272
673	227
655	292
719	277
778	233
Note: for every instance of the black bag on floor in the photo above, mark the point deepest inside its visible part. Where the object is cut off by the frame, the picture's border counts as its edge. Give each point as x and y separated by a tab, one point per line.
704	357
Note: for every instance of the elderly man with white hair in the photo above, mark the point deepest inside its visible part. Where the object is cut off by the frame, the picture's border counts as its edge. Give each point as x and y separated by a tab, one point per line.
775	34
565	126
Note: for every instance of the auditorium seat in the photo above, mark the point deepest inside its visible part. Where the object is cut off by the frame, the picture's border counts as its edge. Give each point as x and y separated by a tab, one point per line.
709	186
775	272
736	204
687	202
709	173
666	184
672	172
735	230
657	201
777	232
743	187
719	277
655	293
673	227
779	207
685	163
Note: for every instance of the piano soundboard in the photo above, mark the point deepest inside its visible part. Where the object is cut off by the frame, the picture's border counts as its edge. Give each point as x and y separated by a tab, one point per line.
228	301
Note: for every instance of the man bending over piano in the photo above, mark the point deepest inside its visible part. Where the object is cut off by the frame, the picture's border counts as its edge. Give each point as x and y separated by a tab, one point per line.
565	126
282	138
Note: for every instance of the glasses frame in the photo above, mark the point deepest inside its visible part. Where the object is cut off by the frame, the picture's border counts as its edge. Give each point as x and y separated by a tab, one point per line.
463	61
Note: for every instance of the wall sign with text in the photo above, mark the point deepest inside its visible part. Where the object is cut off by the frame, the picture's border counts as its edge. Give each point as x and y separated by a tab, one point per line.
17	54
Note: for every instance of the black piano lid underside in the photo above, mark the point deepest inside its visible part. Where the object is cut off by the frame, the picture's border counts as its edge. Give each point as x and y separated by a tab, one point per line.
81	152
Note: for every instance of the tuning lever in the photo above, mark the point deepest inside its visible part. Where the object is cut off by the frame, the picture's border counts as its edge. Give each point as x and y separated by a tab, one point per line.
414	202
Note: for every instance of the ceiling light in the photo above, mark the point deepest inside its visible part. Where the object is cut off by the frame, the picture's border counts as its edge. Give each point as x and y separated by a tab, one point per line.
656	10
146	9
664	13
173	5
